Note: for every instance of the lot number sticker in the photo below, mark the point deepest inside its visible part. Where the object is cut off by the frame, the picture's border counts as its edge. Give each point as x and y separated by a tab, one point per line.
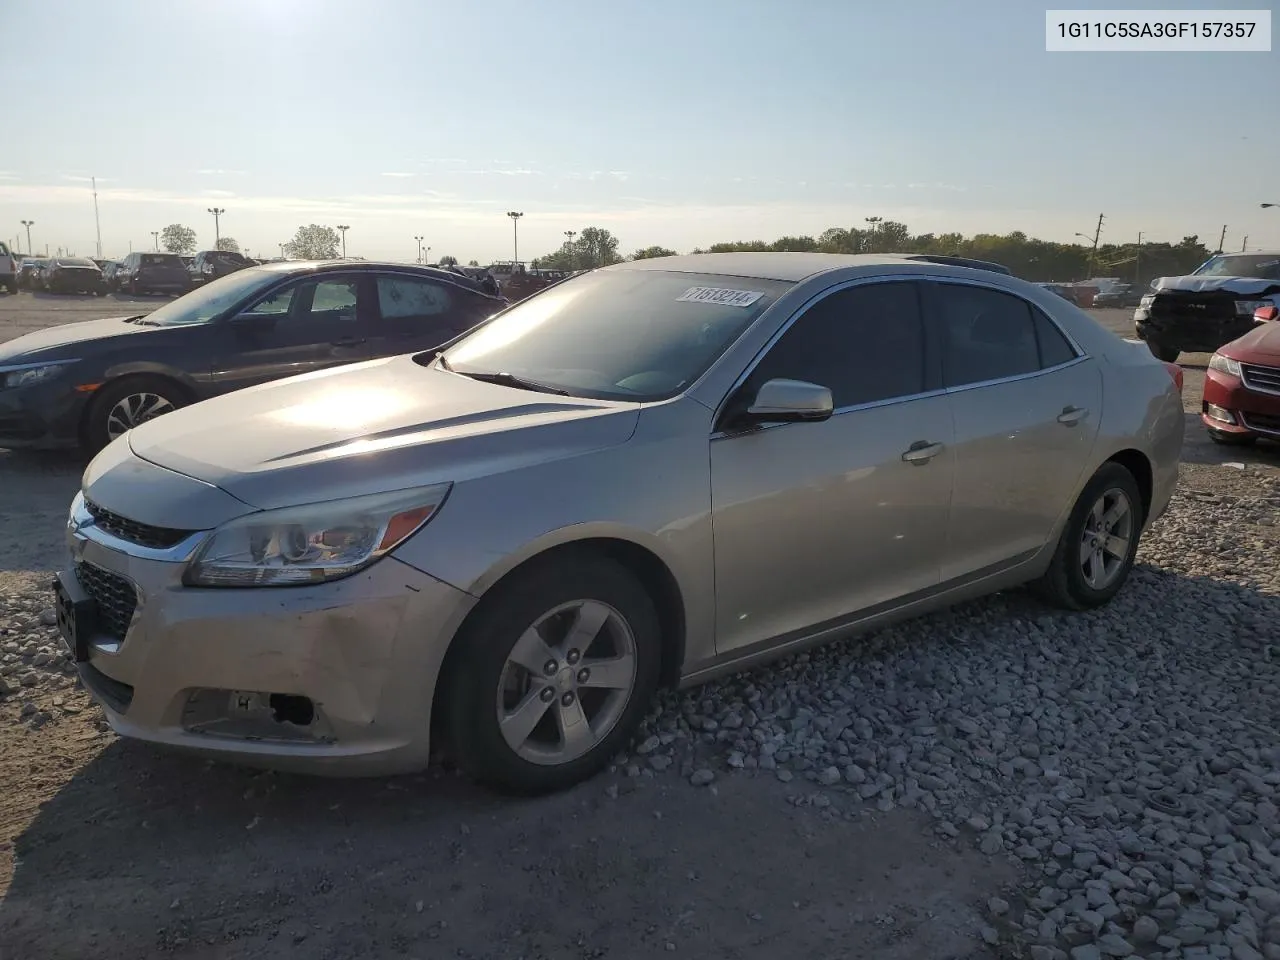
720	295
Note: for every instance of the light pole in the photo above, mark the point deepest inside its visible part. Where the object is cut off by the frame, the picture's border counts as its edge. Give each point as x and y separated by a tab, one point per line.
1244	244
874	221
281	246
1137	260
342	229
1223	238
155	235
29	224
419	239
515	216
426	257
217	212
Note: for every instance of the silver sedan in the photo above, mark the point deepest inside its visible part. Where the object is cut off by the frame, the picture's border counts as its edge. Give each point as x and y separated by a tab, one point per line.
649	474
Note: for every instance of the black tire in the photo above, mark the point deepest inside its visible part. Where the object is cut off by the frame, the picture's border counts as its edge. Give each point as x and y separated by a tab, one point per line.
1161	352
478	659
1232	439
96	433
1064	584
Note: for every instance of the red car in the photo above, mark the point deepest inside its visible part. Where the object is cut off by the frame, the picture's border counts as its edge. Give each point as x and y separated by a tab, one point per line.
1242	385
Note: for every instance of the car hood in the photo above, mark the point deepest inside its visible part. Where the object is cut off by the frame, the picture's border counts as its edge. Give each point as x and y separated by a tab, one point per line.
1262	343
35	346
372	427
1243	285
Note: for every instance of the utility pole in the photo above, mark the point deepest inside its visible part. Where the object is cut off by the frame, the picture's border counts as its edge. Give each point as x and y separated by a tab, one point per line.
515	216
217	234
419	239
97	223
1222	239
155	235
1244	244
1137	261
1093	256
29	224
342	229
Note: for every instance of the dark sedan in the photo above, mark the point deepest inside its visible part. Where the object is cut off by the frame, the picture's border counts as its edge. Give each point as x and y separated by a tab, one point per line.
84	384
211	265
72	275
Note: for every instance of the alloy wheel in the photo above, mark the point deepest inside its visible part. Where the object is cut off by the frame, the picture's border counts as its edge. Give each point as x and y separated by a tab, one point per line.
566	682
1104	544
135	409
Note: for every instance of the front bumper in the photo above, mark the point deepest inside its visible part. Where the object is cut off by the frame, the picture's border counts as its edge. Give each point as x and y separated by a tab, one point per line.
1189	336
207	669
41	415
1252	412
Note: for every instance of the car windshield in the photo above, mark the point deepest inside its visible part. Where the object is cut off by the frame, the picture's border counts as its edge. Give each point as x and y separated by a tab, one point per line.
161	260
213	299
1264	266
640	335
76	262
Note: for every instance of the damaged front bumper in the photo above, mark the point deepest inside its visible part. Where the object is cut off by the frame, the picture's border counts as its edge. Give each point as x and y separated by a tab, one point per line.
335	678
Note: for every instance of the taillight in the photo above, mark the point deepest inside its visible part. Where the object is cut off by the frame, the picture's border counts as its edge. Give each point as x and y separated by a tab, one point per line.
1175	371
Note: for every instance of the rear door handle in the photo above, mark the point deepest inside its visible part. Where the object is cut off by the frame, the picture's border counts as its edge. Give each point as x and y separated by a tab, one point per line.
347	341
1070	416
921	452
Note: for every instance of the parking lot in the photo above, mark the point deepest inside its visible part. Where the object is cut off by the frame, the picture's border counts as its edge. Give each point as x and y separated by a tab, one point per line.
995	780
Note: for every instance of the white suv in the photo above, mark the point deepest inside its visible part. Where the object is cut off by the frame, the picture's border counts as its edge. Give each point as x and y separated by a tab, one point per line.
8	269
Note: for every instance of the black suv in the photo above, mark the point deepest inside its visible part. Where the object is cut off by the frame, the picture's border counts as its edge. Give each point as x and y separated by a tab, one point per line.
152	273
213	264
87	383
1214	305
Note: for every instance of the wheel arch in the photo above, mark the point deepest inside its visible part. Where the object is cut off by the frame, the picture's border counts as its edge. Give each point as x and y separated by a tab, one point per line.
138	369
1139	465
653	573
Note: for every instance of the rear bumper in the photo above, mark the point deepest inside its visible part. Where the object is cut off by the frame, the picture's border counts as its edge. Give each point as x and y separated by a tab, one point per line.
1250	412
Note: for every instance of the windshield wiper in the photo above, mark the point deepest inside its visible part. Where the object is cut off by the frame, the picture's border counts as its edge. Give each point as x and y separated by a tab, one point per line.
511	380
142	321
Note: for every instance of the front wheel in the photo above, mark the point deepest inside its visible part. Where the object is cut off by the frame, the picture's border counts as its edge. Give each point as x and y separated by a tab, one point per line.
120	406
552	675
1096	550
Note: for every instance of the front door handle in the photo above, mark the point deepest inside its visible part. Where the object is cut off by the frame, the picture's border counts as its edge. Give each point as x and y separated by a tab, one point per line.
921	452
1070	416
347	341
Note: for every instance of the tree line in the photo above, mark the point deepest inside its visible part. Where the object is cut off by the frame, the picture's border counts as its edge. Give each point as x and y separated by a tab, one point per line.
1032	259
1028	257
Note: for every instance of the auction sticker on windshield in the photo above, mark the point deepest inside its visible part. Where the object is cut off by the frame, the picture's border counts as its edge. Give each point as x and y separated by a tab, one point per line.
720	295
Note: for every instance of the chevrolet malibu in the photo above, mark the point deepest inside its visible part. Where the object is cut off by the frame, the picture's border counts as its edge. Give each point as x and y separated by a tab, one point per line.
649	474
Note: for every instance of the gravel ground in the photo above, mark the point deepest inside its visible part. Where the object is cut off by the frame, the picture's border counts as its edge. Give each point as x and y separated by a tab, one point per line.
996	780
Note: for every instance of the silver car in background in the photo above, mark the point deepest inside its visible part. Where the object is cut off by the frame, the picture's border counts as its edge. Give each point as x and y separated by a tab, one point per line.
650	474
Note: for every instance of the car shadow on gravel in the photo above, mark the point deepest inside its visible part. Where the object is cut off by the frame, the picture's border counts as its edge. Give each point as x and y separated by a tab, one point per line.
36	489
1197	447
145	851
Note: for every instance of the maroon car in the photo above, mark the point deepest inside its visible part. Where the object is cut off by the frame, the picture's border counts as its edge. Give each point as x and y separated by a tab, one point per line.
1241	399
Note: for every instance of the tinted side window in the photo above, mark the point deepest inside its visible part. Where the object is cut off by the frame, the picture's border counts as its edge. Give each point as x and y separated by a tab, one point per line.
986	334
406	298
336	297
275	304
1054	348
864	343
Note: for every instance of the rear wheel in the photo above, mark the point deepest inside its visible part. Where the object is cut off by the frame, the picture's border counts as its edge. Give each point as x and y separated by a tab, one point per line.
1162	352
1096	550
124	404
552	675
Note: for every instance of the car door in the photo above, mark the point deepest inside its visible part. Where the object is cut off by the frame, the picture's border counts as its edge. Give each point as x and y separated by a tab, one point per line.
1026	406
419	313
815	521
302	326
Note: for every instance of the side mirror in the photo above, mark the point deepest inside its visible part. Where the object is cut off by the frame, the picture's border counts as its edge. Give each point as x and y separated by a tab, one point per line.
1266	314
790	401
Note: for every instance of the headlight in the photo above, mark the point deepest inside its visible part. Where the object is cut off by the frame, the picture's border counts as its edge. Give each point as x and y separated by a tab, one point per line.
32	373
1147	300
1245	308
313	543
1224	365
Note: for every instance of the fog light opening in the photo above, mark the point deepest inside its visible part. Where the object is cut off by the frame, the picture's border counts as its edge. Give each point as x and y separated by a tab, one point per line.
286	708
1221	414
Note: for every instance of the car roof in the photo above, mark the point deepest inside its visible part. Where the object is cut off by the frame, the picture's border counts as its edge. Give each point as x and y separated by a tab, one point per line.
363	266
787	267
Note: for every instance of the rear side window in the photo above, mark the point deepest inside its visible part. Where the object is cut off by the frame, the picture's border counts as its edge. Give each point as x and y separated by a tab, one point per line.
986	334
409	298
1054	347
